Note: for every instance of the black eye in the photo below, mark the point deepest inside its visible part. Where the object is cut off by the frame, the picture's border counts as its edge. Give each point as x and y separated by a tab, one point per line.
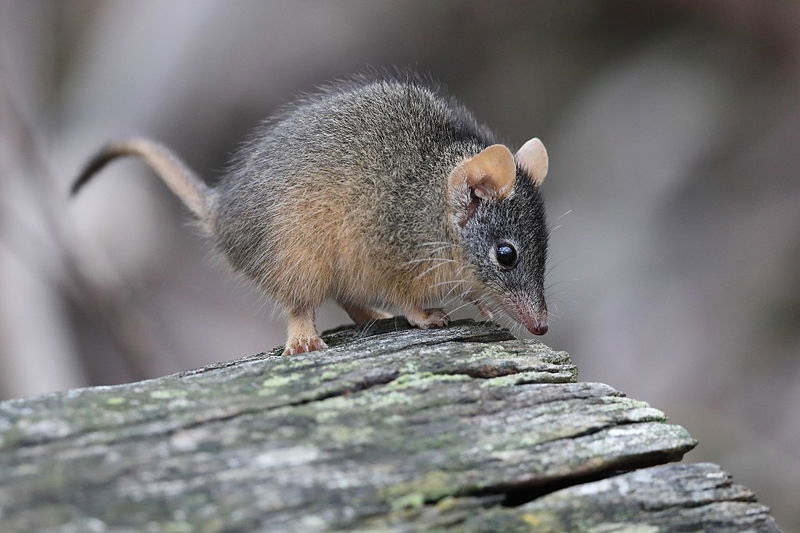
506	255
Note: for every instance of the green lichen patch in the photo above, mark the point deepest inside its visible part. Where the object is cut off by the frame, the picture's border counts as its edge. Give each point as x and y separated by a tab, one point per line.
431	486
167	394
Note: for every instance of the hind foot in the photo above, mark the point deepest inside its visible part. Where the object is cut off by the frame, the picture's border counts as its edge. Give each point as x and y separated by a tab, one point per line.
427	318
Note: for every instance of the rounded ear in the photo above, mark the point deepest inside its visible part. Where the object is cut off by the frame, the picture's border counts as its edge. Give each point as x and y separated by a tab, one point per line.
532	158
489	175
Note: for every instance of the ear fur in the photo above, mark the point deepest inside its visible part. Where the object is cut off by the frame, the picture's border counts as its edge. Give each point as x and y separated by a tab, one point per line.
489	175
532	158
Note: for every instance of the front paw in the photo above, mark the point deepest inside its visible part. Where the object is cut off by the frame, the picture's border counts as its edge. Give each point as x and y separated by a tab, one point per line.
428	318
484	311
298	345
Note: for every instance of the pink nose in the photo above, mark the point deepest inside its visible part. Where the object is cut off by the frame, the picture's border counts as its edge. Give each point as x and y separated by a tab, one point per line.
537	326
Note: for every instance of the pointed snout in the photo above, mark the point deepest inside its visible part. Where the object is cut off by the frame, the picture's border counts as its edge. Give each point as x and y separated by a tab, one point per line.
537	326
530	312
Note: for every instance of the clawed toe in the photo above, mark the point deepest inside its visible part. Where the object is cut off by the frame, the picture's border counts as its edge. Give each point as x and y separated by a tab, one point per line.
304	345
484	311
428	318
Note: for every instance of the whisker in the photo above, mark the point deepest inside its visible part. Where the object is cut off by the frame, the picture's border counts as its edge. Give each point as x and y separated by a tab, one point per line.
459	307
413	261
553	266
461	296
449	292
434	267
445	282
434	243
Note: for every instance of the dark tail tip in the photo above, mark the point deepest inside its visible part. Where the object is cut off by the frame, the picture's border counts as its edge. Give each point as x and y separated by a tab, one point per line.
94	165
79	183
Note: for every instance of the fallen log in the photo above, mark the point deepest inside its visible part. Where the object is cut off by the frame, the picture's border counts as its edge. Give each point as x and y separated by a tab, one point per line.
392	428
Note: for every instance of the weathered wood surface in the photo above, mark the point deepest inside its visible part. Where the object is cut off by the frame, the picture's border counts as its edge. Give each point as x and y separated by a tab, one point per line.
675	497
391	428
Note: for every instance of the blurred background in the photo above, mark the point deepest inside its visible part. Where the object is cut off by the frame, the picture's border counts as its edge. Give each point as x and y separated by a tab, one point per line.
673	131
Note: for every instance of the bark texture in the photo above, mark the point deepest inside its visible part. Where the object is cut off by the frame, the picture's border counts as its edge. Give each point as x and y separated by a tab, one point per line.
391	428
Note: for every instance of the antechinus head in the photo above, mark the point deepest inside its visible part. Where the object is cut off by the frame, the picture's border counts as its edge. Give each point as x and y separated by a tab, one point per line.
497	209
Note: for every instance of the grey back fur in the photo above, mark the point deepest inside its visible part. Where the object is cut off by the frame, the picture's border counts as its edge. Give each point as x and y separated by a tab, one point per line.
389	143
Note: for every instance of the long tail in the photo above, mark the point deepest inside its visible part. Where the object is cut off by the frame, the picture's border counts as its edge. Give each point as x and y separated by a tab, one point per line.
181	180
